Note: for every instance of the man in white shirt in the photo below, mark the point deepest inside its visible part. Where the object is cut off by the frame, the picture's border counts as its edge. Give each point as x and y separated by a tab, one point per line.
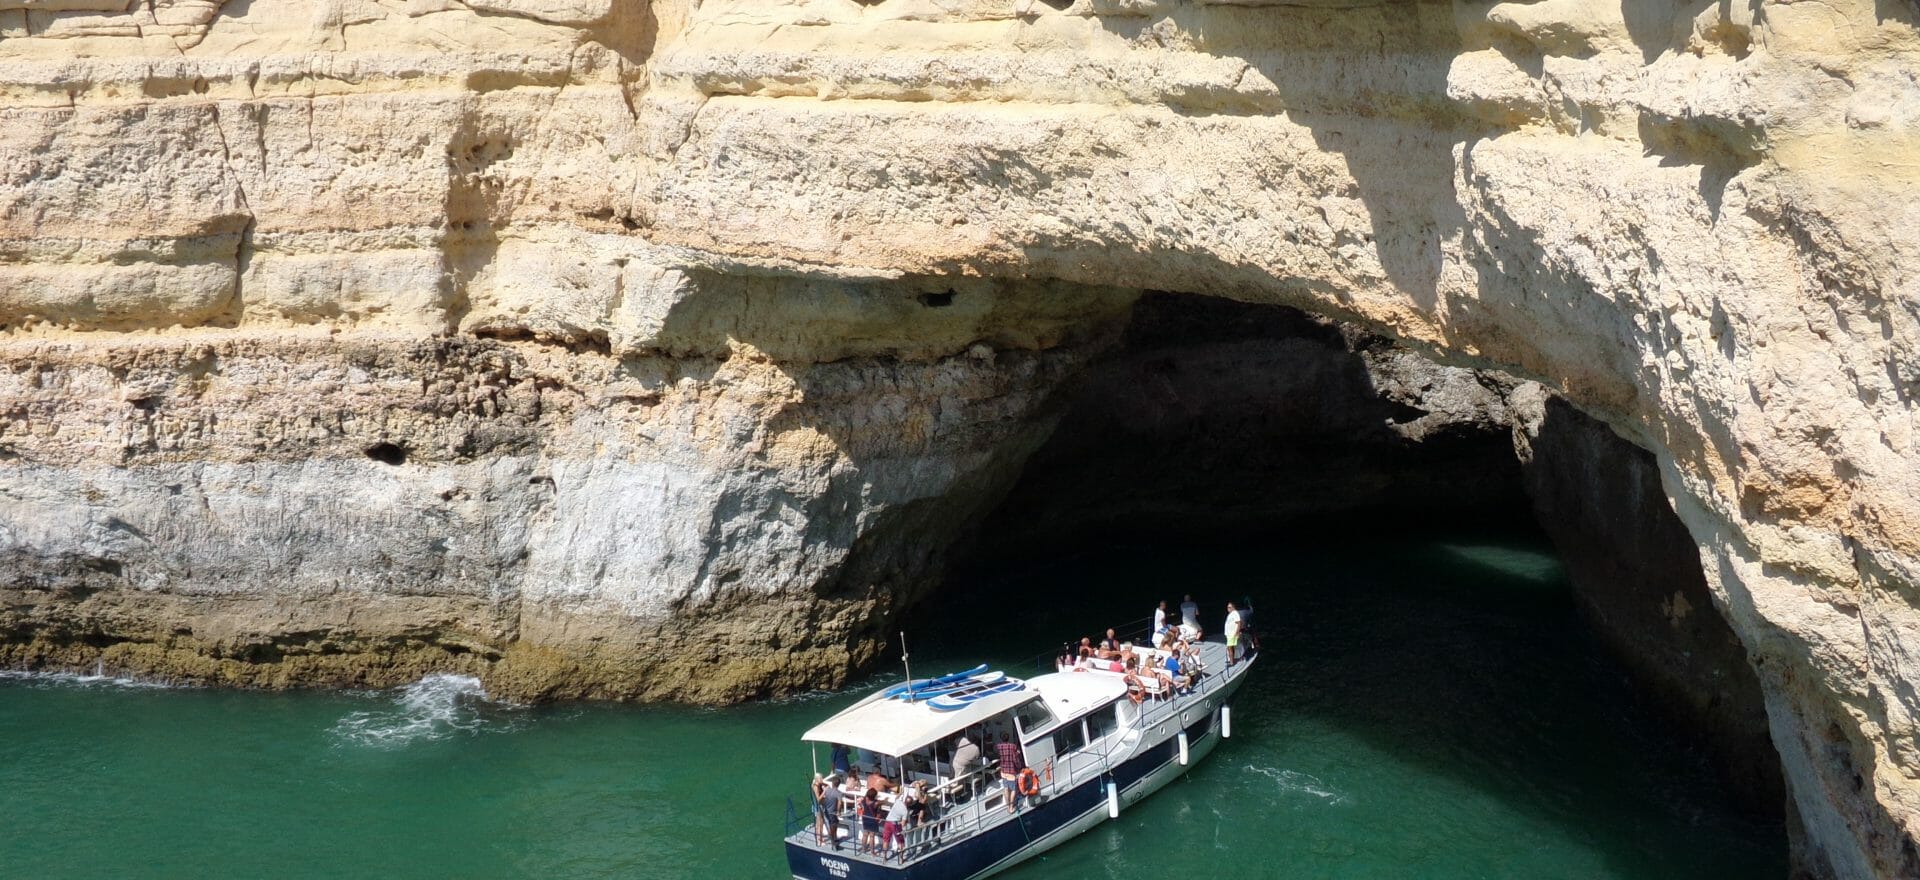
893	837
1233	633
1160	618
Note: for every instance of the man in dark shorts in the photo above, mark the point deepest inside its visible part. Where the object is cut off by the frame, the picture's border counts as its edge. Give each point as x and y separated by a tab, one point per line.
1011	763
830	802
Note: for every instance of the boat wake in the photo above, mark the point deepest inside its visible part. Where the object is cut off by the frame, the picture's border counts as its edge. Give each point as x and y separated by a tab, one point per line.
1293	781
433	708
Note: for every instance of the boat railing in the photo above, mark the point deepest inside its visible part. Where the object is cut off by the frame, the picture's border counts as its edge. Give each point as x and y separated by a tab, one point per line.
1137	632
967	794
954	820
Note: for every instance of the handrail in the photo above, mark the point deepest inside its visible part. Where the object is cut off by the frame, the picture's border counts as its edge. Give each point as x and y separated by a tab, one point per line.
961	818
1131	631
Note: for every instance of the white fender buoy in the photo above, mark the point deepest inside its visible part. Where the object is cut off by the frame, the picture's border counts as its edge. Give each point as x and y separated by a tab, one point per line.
1226	721
1183	748
1113	799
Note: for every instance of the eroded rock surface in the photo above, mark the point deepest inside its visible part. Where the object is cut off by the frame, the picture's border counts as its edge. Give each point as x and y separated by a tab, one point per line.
723	314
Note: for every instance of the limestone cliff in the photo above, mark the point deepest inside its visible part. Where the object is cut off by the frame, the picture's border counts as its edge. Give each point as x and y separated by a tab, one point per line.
534	334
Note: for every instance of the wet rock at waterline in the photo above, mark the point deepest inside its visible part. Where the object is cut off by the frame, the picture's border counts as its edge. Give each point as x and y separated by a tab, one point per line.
587	347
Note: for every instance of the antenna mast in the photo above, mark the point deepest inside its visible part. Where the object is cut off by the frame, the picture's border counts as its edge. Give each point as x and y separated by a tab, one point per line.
904	665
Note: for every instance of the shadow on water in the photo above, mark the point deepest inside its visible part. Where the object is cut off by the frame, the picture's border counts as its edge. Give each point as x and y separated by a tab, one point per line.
1431	706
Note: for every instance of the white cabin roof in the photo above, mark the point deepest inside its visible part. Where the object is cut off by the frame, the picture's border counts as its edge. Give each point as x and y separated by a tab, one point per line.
897	727
1072	694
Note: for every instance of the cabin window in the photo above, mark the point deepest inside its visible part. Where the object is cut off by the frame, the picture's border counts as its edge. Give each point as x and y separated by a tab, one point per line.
1068	738
1033	717
1103	722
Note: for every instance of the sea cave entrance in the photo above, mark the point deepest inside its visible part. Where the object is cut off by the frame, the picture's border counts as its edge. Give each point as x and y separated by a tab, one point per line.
1489	646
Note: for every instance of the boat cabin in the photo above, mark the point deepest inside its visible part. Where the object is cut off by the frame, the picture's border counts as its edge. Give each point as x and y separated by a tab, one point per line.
1054	718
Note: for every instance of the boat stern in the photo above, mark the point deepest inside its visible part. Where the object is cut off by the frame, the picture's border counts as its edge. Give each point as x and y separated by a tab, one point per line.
807	862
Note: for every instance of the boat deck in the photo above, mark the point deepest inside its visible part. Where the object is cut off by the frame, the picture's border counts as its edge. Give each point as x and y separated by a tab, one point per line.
976	803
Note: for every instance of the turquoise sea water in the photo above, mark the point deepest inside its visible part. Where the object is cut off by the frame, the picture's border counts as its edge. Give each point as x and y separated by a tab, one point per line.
1426	708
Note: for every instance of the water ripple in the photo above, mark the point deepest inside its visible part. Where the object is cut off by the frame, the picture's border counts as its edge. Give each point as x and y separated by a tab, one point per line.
1290	781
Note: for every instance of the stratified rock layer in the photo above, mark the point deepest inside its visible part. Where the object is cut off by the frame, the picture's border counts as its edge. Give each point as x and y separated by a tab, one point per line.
563	329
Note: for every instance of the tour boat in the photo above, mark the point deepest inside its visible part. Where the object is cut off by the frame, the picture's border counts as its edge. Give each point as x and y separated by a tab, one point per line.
1094	739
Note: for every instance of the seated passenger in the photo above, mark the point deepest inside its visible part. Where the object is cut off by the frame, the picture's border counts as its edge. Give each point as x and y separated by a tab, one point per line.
1190	661
1086	648
1109	646
1136	688
1154	666
1174	675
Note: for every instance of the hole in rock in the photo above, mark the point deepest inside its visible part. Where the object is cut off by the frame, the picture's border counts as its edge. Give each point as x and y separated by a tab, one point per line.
387	453
1489	648
937	300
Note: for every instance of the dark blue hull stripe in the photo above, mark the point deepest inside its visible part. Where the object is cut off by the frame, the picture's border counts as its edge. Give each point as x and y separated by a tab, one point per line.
969	857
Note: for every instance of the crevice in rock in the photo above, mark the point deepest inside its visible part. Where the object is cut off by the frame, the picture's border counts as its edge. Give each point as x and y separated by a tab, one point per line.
387	453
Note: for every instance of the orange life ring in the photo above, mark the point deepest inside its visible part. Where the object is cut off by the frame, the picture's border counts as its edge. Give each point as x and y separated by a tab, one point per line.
1029	782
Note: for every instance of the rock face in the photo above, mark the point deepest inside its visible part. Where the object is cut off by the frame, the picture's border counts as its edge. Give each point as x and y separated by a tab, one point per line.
1637	575
551	336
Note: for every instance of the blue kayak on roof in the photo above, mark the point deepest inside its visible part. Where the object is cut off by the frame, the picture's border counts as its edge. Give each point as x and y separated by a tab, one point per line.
922	686
959	699
966	684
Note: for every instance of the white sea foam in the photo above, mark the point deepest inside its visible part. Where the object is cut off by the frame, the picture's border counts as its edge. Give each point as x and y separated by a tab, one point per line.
1293	781
435	707
97	678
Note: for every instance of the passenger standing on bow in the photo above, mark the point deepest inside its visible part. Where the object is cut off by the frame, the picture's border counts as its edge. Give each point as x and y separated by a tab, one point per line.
1011	763
1233	634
